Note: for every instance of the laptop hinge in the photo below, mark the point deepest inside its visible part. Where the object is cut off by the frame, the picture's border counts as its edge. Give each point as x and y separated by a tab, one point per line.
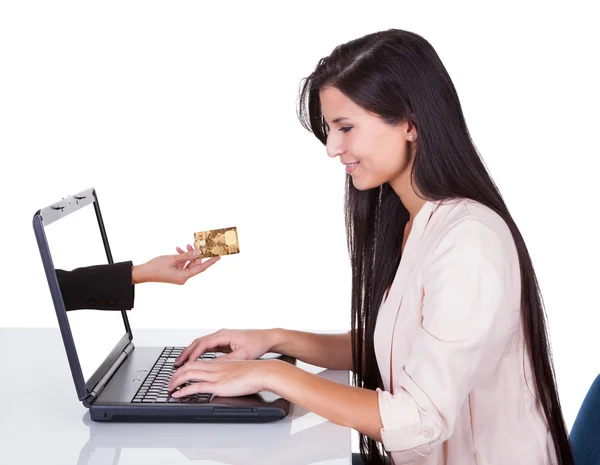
109	373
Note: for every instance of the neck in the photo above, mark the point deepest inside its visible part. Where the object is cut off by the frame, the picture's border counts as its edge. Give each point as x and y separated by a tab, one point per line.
408	196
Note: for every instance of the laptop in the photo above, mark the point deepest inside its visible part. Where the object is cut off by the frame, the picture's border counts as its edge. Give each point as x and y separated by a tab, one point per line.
115	379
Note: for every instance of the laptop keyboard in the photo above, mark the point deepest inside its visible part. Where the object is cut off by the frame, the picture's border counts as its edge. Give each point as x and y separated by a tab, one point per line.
154	389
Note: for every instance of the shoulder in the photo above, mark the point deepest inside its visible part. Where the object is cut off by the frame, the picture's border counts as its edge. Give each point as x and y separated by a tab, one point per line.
456	215
471	226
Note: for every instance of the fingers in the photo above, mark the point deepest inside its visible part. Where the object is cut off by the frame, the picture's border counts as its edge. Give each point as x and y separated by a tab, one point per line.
181	264
197	372
201	345
183	260
199	267
222	349
195	388
184	257
180	250
185	355
230	356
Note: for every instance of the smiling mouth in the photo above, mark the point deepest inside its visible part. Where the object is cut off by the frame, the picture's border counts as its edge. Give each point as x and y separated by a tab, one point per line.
351	167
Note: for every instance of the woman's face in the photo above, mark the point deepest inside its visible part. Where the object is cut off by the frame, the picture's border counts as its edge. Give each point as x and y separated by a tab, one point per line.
373	151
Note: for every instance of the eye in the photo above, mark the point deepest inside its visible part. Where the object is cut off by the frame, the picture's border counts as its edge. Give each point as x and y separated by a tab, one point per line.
345	129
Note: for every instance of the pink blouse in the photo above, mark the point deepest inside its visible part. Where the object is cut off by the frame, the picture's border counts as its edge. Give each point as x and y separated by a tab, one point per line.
450	347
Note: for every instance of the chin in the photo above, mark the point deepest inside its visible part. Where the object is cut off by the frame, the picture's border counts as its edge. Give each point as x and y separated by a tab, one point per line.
361	185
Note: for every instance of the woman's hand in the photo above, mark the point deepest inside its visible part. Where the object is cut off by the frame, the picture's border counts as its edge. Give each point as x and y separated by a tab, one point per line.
247	344
223	378
174	269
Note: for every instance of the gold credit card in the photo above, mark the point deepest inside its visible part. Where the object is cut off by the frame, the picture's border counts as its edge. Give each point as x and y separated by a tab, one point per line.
217	242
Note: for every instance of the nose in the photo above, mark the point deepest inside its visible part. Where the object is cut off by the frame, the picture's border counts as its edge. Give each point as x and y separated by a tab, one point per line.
334	146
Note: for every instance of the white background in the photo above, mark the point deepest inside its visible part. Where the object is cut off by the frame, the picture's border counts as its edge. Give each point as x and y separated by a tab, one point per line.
183	116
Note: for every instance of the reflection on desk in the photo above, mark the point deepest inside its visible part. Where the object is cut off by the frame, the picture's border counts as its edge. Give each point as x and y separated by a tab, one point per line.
233	444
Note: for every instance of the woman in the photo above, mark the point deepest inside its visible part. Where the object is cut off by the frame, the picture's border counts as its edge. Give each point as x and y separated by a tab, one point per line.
111	286
448	343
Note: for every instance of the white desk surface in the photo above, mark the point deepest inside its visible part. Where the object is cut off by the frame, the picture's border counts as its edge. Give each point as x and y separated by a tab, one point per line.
42	421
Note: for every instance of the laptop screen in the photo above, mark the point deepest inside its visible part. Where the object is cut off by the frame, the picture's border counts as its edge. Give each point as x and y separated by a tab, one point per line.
75	241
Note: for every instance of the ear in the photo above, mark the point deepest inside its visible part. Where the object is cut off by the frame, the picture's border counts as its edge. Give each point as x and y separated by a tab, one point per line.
410	126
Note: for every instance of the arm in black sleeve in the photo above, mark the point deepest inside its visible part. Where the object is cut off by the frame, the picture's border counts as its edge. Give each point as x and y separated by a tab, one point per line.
100	287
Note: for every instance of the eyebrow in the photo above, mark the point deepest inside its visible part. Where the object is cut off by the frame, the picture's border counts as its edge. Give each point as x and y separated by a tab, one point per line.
341	118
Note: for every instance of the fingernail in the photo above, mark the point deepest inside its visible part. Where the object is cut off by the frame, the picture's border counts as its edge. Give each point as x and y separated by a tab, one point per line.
175	394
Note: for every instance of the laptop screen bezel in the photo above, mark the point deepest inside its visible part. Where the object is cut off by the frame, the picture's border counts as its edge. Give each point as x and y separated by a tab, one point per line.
42	218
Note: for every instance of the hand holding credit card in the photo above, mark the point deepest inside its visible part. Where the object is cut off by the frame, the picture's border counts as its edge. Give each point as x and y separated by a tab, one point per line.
217	242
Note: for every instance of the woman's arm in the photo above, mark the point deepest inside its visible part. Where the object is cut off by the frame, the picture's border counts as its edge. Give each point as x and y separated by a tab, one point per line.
332	351
470	315
349	406
111	286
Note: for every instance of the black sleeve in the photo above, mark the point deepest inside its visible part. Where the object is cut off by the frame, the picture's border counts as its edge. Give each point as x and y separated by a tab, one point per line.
100	287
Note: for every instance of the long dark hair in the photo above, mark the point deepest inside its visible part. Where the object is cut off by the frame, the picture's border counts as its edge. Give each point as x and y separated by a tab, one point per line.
397	74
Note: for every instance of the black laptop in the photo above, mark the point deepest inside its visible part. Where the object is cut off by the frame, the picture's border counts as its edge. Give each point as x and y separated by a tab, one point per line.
114	379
